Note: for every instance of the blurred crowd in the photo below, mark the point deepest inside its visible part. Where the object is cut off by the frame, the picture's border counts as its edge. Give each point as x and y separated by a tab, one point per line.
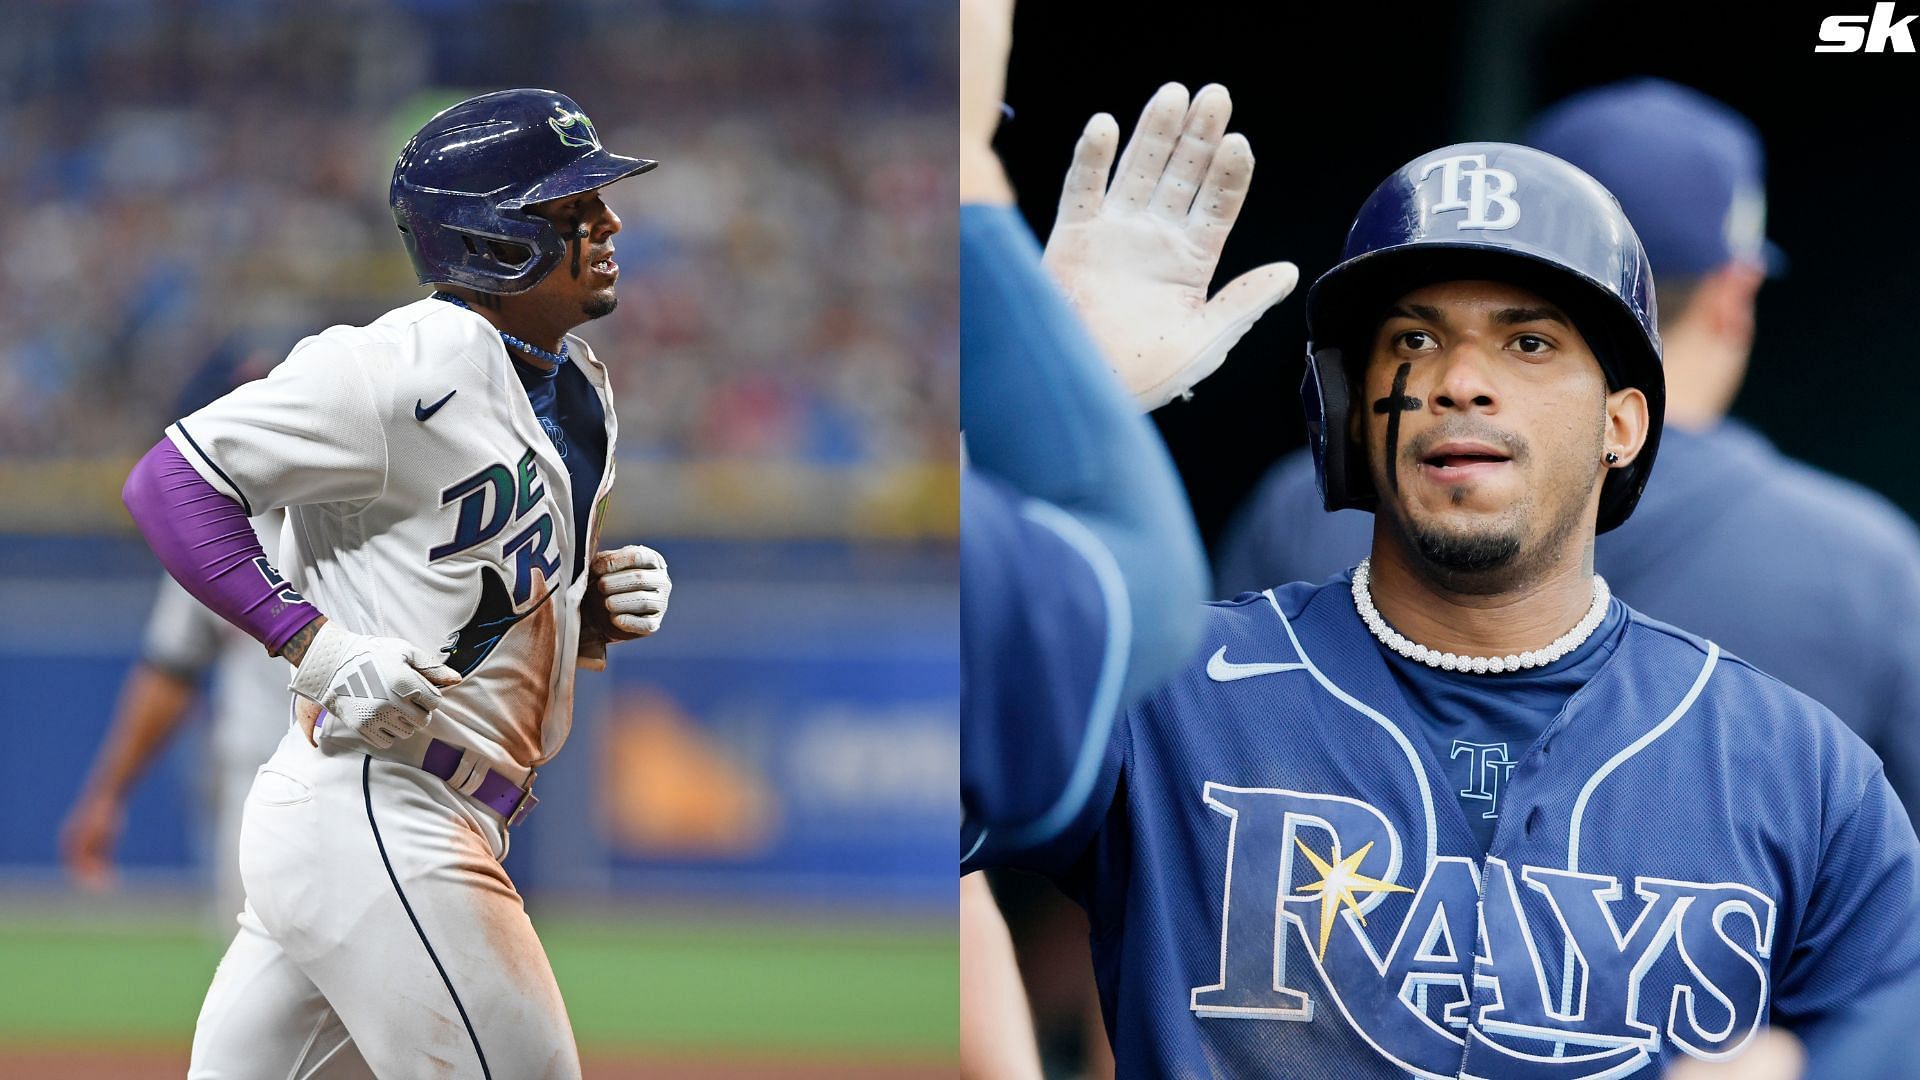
188	184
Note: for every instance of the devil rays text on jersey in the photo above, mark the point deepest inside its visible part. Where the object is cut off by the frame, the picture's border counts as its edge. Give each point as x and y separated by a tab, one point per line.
489	501
1305	872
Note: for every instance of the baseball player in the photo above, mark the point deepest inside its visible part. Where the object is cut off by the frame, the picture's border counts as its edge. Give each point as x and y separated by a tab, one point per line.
184	644
445	471
1663	850
1077	546
1081	562
1730	531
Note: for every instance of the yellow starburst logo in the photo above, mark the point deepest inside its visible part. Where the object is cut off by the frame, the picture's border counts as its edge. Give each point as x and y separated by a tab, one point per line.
1339	883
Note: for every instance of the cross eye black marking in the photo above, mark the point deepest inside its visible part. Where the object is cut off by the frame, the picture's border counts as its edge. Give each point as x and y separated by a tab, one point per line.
1387	405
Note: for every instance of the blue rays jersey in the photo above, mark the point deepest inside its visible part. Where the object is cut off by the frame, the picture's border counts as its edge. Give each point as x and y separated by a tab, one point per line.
1044	629
1281	884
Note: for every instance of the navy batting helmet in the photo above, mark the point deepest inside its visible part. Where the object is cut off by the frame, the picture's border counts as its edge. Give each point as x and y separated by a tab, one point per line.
463	182
1491	211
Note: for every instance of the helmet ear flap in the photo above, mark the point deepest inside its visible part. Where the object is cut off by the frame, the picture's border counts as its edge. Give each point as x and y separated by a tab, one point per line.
509	254
512	253
1340	465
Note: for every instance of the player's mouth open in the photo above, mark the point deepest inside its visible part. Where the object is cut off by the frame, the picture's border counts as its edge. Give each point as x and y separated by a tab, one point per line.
1455	462
606	265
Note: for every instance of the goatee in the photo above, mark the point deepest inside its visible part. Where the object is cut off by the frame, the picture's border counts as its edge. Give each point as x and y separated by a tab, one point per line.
1466	554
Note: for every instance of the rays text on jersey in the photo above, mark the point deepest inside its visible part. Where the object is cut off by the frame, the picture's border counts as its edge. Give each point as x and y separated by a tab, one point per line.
1548	969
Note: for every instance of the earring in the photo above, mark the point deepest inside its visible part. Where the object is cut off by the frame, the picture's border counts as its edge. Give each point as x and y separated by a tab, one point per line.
1613	458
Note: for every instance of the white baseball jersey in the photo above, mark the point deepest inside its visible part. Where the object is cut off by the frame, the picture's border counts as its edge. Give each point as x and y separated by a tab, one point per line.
424	502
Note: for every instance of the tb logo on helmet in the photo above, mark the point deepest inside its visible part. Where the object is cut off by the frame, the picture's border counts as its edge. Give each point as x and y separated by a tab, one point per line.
1485	188
573	128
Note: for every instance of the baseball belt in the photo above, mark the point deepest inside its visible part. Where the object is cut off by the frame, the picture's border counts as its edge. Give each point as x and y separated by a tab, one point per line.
493	791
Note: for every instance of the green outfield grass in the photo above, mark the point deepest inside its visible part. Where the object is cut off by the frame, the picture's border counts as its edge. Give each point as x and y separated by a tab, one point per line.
681	985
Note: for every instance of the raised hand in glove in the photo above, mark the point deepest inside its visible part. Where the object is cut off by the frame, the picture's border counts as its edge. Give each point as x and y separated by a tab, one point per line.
383	689
1135	258
627	598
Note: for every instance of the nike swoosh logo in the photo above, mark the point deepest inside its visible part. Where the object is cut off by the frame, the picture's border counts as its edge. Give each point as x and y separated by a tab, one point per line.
423	413
1220	670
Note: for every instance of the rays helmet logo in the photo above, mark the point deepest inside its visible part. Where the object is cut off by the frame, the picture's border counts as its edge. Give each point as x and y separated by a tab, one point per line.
1466	183
573	128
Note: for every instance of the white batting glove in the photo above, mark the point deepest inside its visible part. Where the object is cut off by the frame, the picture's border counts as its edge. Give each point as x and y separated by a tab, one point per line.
630	591
382	688
1136	258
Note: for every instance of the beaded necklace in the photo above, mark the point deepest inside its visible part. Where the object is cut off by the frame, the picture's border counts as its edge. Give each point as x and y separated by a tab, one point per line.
554	358
1478	665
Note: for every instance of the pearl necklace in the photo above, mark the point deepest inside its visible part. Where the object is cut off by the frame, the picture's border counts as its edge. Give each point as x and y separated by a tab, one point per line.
1479	665
554	358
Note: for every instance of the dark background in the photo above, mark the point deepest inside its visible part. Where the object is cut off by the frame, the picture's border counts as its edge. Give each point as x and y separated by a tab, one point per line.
1335	96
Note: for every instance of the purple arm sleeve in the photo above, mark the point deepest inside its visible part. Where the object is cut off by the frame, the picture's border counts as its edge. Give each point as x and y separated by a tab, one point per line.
204	540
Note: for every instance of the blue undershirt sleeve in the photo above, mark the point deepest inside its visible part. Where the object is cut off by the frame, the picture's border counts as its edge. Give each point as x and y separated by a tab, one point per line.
1042	413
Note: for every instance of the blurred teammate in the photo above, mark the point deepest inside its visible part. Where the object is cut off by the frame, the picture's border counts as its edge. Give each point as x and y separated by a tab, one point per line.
1665	850
1080	564
184	645
1078	549
996	1030
445	471
1730	533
